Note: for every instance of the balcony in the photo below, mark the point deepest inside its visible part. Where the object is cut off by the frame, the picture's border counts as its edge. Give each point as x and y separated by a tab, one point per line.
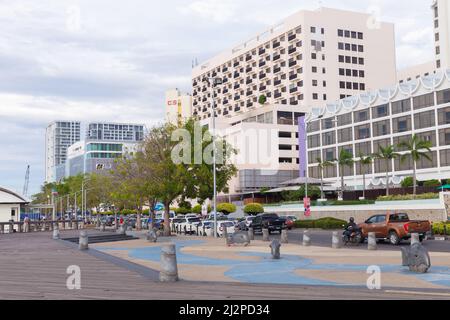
292	63
249	93
276	44
236	64
277	95
237	109
204	99
236	86
293	77
225	80
248	81
224	69
292	37
276	70
262	88
277	82
248	58
262	51
225	91
236	75
194	84
204	89
262	76
214	74
262	63
292	50
249	104
293	102
225	101
248	69
204	109
276	57
237	97
225	112
292	90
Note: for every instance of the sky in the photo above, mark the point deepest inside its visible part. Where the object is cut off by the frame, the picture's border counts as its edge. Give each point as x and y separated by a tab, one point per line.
103	60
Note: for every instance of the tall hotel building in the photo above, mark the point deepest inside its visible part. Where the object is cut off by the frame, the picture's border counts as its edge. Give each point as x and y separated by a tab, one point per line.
441	12
309	59
59	136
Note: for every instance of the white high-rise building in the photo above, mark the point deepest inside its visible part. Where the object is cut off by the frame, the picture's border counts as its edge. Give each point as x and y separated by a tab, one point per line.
59	136
441	11
178	106
309	59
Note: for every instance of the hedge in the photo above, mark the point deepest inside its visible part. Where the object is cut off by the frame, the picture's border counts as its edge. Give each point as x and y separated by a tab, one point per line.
424	196
441	228
324	223
254	208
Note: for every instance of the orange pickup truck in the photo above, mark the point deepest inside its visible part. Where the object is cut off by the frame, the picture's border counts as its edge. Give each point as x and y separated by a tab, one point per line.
394	227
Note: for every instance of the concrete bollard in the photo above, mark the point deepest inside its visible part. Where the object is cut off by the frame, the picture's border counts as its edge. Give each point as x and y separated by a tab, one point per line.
122	230
275	248
152	236
84	241
372	241
102	227
169	269
43	227
336	242
265	235
67	226
71	226
306	238
284	236
35	227
251	234
415	238
56	235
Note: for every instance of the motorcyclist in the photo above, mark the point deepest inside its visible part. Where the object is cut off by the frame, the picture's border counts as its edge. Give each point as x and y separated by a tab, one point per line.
350	228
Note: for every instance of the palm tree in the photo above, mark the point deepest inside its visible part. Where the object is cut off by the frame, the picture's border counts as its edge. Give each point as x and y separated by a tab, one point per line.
322	165
345	160
417	149
365	161
387	154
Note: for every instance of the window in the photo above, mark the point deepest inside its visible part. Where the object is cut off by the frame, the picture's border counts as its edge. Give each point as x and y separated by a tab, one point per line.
361	73
285	118
424	101
314	69
315	96
445	158
362	132
347	34
428	136
345	135
444	137
329	154
340	33
342	84
341	59
380	111
313	156
361	61
424	120
341	46
361	116
313	29
328	123
314	126
360	36
314	83
402	124
285	147
328	138
443	96
285	160
313	141
364	148
283	134
344	119
424	163
401	106
444	116
381	128
360	48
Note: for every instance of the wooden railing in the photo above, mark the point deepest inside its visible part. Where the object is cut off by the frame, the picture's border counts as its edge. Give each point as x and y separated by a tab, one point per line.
40	226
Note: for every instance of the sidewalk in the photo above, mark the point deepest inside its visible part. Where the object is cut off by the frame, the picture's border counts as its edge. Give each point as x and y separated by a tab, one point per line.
208	259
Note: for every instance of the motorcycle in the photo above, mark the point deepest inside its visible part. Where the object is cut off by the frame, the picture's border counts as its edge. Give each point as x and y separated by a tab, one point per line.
352	236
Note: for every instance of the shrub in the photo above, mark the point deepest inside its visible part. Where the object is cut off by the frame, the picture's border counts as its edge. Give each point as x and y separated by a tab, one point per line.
425	196
408	182
254	208
298	195
324	223
226	208
182	211
262	99
197	209
441	228
127	212
432	183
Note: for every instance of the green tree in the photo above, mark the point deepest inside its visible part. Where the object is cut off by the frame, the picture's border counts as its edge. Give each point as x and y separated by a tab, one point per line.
253	209
262	99
345	159
407	182
322	165
387	154
226	208
416	150
365	162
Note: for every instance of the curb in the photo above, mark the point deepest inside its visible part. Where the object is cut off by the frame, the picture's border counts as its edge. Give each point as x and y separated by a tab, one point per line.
439	238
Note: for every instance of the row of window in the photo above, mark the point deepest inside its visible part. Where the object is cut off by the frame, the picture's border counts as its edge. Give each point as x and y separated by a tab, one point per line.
350	34
350	47
351	73
351	60
352	86
396	107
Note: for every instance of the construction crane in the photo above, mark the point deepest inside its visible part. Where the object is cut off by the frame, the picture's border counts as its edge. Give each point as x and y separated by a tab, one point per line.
27	182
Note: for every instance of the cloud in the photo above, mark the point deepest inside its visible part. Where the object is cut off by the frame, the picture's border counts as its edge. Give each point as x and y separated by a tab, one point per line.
112	60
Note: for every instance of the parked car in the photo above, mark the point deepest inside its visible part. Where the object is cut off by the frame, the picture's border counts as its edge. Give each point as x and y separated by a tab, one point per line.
241	226
394	227
292	218
222	225
288	222
248	220
270	221
189	224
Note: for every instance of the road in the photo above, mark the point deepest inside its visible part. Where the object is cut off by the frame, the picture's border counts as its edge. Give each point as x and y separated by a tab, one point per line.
322	238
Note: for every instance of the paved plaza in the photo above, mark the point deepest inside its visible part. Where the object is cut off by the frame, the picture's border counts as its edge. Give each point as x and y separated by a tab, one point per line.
209	259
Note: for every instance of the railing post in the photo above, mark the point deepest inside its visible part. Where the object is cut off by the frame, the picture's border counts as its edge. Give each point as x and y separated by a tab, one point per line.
2	228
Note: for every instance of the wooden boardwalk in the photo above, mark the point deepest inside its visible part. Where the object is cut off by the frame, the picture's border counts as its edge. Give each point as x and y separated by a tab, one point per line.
32	266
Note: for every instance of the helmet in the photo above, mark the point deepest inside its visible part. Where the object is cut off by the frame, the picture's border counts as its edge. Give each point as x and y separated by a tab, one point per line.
352	220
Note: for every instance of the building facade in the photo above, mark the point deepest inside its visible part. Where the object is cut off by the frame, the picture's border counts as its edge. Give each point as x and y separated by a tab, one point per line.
266	141
311	58
115	132
11	205
441	15
59	136
178	106
363	123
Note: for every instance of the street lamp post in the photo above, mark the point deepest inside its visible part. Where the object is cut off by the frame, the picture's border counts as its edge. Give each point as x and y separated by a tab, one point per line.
214	81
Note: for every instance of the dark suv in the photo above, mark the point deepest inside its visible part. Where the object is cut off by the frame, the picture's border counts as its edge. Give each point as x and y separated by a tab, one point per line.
270	221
